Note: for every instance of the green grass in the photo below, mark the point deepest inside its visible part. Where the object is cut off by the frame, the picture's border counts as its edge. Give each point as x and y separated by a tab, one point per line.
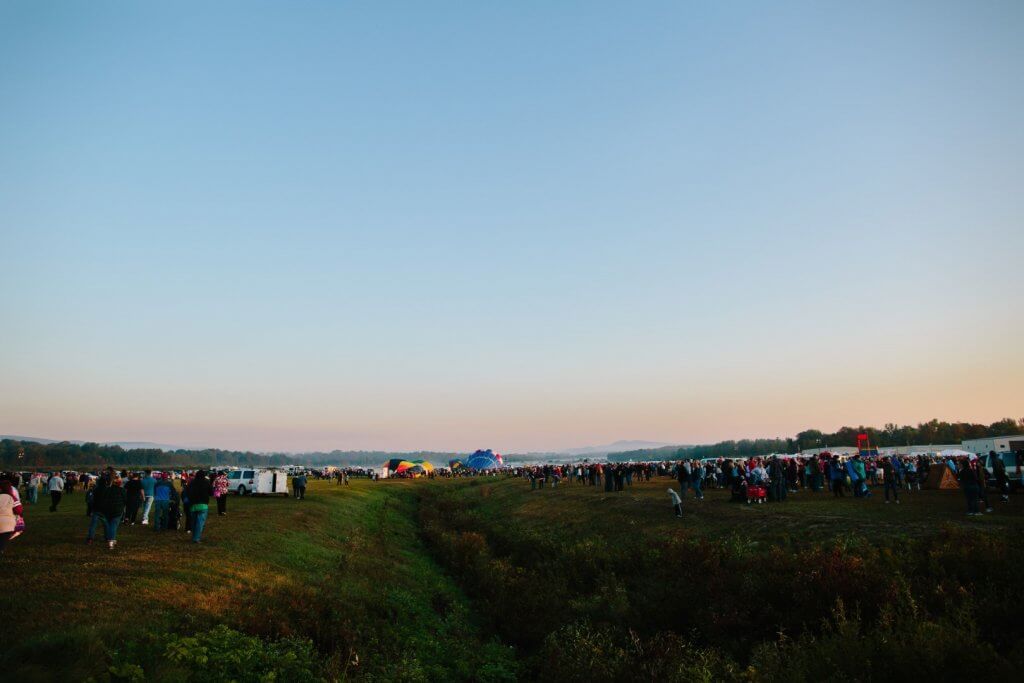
487	580
343	568
804	517
589	585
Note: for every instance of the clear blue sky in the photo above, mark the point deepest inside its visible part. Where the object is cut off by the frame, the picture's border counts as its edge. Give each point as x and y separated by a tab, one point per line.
523	225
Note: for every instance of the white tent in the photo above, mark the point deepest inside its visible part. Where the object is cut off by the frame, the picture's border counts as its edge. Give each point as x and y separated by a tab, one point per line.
955	453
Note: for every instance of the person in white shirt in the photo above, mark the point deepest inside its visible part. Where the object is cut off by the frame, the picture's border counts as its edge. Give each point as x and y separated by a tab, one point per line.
33	487
56	488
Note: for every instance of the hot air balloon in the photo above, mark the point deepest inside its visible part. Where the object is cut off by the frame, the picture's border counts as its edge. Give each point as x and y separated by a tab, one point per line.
483	460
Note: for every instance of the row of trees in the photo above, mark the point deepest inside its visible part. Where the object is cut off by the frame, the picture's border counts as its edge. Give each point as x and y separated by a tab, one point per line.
925	433
28	455
31	455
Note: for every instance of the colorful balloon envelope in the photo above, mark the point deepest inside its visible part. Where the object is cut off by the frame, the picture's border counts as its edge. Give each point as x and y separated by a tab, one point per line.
483	460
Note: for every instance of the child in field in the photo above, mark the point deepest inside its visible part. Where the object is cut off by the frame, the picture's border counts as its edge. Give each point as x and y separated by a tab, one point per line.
677	502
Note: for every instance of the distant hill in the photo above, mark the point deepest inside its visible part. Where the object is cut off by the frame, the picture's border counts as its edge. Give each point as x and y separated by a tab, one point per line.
34	439
617	447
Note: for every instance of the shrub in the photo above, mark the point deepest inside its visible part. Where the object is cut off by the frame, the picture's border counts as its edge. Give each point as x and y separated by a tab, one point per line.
222	654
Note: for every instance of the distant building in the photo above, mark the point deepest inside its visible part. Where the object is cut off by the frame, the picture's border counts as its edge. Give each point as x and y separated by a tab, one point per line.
836	450
999	444
930	449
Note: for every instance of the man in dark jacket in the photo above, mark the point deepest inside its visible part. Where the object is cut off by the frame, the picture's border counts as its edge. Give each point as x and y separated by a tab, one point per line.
199	491
109	503
968	478
777	479
134	498
94	505
999	472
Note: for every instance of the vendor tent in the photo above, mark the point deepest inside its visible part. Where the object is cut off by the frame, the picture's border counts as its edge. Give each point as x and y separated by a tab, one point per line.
940	477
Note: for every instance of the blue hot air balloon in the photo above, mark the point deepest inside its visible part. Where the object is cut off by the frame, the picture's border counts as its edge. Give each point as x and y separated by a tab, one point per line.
483	460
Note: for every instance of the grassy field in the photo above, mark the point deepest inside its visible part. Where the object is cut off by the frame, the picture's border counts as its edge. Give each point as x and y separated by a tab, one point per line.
487	580
344	569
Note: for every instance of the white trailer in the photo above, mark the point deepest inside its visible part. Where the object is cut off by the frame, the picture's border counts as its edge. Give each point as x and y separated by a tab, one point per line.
264	482
271	482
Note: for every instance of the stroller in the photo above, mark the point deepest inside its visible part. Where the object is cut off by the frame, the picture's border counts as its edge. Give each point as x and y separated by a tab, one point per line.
739	490
757	492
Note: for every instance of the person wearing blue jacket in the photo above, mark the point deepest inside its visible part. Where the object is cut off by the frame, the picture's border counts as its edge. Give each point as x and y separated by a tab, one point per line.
148	484
836	475
162	490
697	480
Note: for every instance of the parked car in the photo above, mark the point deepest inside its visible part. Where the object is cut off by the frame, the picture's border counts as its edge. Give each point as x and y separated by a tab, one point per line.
253	481
1014	463
242	482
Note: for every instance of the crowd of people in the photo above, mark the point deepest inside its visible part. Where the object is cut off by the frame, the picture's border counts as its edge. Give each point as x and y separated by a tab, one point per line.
773	478
114	499
163	499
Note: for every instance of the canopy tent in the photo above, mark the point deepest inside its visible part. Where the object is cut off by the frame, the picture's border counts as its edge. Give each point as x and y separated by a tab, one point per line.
940	477
955	453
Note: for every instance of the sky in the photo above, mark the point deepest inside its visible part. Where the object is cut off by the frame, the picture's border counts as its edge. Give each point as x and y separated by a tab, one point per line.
525	226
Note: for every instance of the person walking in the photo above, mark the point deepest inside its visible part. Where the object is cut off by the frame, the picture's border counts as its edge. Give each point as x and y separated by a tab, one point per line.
837	477
968	478
220	492
162	491
109	503
94	503
859	477
777	479
134	496
683	476
32	487
697	481
198	492
299	484
148	485
10	510
55	485
999	472
891	478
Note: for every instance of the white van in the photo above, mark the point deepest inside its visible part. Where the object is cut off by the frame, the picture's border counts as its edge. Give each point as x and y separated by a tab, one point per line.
242	481
1014	464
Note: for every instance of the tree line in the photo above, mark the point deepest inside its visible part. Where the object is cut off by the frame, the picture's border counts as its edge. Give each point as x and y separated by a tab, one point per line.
29	455
24	455
934	432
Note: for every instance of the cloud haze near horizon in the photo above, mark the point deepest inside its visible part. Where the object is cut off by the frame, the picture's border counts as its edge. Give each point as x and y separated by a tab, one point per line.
527	227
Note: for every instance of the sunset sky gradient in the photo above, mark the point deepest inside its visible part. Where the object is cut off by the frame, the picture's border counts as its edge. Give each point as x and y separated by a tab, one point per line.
524	226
